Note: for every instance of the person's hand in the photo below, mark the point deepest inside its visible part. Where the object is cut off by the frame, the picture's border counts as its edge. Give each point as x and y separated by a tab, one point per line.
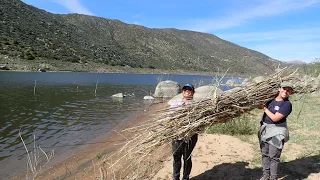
263	107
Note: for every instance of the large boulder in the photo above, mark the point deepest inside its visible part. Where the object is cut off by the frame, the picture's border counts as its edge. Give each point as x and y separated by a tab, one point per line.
246	81
167	89
4	67
201	93
258	79
234	90
206	92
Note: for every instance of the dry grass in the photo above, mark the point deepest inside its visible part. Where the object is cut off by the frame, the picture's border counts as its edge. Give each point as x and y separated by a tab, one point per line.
37	159
134	159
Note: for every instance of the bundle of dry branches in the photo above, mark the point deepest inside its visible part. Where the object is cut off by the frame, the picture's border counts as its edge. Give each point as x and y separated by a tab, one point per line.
148	137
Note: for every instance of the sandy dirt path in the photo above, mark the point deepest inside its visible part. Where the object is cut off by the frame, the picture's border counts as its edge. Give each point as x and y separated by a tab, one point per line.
212	151
223	157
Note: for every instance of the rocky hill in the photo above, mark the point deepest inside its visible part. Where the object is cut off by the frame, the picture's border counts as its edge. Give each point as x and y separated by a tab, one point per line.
30	33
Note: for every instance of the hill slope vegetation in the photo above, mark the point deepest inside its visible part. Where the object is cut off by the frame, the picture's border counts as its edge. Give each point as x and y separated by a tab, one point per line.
30	33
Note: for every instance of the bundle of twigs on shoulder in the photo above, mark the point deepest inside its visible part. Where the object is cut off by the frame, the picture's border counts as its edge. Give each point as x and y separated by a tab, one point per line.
194	118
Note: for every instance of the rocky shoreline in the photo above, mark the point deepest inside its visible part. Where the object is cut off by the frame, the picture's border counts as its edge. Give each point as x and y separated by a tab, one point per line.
20	65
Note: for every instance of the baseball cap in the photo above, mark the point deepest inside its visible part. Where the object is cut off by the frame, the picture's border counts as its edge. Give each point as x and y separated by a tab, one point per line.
188	87
286	84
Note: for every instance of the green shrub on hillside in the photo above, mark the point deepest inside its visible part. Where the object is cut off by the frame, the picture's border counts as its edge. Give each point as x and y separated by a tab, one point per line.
29	54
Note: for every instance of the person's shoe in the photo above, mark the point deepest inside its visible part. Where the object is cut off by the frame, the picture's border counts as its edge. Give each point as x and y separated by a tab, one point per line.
265	177
176	178
273	178
185	178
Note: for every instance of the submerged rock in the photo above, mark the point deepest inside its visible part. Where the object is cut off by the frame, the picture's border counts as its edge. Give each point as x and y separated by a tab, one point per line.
42	70
231	82
148	97
118	95
258	79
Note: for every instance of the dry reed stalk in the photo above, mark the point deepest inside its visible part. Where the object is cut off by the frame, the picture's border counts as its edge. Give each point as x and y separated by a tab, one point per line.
34	87
147	138
36	162
97	81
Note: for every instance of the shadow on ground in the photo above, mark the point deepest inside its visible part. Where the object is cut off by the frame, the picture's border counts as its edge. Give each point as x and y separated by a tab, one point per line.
293	170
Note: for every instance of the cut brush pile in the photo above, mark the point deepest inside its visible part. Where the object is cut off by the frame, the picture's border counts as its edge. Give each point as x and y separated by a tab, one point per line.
135	158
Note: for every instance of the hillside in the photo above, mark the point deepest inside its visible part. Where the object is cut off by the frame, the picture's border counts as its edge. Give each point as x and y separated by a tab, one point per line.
32	34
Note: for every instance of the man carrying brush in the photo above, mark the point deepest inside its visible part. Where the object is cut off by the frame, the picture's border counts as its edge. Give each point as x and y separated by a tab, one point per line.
273	131
182	147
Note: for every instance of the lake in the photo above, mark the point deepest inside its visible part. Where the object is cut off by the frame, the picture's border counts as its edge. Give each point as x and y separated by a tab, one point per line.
63	110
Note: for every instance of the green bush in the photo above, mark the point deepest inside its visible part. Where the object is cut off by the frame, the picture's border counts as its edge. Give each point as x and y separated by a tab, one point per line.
74	60
29	55
238	126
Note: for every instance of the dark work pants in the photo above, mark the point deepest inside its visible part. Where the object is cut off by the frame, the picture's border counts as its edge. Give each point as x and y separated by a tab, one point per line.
183	149
270	159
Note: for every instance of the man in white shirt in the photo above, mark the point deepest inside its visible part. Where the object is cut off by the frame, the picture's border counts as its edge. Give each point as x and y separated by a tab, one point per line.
182	147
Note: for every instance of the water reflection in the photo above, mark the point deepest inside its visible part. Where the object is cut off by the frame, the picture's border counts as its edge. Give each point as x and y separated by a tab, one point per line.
64	110
59	116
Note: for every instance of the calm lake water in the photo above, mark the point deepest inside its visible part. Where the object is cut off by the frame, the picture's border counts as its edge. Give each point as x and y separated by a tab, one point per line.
62	109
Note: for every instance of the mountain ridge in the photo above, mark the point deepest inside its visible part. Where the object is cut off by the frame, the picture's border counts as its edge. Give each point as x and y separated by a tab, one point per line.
30	33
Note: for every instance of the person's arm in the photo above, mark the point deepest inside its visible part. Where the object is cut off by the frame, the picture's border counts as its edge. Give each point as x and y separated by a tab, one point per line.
275	117
283	112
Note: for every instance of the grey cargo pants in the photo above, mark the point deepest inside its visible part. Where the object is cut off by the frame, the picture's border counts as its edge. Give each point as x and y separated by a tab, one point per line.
270	159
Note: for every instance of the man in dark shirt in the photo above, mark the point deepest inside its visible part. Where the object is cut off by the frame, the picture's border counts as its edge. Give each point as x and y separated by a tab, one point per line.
273	131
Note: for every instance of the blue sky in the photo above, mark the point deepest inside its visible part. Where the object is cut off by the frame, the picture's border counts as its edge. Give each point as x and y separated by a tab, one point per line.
282	29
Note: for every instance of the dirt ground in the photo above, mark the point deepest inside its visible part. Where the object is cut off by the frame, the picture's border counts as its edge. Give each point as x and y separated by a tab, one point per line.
215	157
223	157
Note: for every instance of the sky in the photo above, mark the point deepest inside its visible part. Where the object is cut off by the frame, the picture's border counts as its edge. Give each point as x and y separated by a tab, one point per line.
285	30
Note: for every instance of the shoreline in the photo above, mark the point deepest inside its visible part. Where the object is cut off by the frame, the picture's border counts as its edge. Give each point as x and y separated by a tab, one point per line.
78	163
159	71
19	65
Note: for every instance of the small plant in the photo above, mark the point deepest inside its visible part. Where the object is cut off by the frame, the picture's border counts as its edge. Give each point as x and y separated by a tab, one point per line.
151	67
35	161
29	55
99	156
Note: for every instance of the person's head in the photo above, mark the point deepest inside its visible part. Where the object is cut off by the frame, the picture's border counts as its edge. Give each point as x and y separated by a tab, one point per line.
188	91
286	89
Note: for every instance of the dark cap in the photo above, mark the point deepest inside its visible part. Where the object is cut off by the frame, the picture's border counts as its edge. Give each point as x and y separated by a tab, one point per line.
188	87
286	84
